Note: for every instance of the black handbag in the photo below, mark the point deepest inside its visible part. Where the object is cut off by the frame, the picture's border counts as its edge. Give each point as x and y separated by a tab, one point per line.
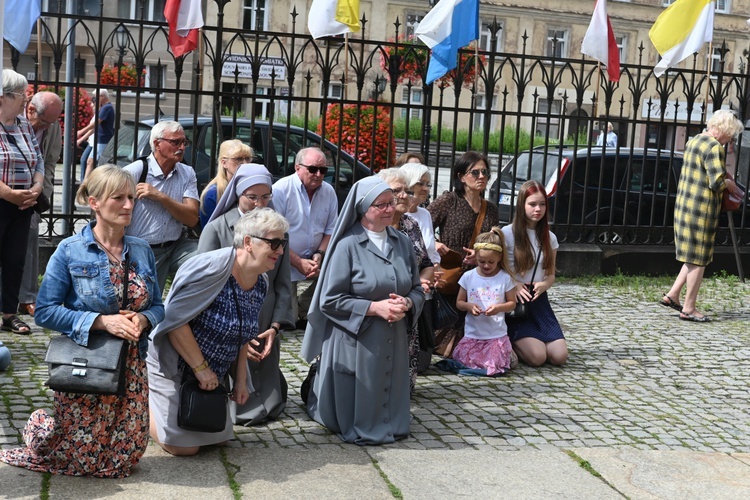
42	204
199	410
97	368
443	313
521	310
304	390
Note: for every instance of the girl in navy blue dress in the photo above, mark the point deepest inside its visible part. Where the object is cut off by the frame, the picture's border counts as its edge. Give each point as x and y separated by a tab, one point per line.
532	251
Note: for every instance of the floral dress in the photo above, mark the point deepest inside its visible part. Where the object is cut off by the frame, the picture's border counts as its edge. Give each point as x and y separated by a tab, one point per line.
410	228
89	434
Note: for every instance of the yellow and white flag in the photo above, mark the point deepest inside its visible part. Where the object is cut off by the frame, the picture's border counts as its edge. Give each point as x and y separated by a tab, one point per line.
333	17
681	30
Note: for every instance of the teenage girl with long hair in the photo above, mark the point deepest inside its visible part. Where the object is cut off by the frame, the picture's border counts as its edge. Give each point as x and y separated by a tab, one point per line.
532	251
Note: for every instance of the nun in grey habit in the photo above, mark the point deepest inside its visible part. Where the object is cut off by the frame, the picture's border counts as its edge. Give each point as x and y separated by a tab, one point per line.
268	385
368	292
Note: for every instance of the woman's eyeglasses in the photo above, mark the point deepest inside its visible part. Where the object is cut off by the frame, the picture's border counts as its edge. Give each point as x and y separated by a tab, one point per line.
314	170
274	243
385	205
238	159
425	184
402	190
24	96
255	198
480	171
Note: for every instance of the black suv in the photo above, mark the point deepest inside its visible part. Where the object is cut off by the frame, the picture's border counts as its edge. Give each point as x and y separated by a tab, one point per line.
602	193
268	147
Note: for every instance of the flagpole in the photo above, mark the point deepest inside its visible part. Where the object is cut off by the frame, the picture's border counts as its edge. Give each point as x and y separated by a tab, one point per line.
476	67
346	66
708	79
598	86
201	68
38	47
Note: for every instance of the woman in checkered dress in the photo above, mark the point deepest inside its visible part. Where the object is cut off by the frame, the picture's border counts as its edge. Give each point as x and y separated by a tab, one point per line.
696	211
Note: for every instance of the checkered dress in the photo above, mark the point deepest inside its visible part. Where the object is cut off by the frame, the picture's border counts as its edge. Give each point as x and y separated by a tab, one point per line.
696	211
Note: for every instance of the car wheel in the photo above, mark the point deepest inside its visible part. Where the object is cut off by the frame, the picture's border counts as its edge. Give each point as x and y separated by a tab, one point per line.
606	235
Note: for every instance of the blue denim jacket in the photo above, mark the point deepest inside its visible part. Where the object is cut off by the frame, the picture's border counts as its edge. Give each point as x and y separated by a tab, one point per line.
77	287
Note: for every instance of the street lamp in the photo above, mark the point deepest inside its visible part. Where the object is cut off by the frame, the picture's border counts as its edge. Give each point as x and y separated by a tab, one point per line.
121	38
379	87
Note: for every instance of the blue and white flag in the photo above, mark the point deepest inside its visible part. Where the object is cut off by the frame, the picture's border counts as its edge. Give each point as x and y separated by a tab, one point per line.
449	26
20	17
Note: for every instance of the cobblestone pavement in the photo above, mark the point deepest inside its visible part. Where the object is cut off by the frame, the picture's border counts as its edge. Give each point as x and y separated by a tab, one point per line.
637	378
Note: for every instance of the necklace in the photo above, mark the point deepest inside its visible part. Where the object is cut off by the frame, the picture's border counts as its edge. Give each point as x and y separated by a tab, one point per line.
109	252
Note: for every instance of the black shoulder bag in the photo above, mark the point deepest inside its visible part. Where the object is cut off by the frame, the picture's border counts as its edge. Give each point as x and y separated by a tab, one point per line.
522	308
98	368
200	410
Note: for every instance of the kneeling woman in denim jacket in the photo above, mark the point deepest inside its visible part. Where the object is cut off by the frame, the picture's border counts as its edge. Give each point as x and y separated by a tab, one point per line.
82	291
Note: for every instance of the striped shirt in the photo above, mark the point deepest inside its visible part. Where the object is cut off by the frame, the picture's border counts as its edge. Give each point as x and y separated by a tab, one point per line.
20	155
151	221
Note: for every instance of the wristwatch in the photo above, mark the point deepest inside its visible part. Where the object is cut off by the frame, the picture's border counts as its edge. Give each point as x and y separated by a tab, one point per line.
321	252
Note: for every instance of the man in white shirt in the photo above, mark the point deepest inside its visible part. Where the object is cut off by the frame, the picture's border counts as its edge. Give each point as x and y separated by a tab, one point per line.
167	200
311	207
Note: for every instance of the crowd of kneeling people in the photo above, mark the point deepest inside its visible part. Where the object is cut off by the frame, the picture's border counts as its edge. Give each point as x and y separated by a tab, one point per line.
376	274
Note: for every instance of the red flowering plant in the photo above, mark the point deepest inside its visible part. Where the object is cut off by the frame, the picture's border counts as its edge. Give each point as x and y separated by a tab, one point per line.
128	76
84	109
411	55
373	154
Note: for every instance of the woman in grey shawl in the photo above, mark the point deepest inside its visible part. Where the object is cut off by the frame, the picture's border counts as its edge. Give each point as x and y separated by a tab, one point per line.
211	315
358	321
250	188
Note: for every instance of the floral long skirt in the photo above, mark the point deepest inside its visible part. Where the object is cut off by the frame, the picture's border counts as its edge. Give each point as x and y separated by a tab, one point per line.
89	435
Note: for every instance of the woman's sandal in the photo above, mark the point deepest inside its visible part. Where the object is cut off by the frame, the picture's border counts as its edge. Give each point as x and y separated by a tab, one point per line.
692	317
667	301
15	325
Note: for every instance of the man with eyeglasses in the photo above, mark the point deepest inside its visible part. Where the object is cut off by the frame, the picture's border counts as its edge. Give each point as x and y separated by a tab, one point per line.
167	199
43	113
311	207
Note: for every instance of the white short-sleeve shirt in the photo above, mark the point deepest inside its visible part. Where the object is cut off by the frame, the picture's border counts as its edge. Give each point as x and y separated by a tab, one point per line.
486	291
510	248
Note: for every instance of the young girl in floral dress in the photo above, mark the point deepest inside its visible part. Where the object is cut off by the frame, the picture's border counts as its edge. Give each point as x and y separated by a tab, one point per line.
487	292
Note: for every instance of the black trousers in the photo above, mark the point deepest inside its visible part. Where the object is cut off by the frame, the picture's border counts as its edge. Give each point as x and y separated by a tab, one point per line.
14	237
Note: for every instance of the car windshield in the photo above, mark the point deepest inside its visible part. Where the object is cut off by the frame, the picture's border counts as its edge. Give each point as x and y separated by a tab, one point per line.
527	166
126	152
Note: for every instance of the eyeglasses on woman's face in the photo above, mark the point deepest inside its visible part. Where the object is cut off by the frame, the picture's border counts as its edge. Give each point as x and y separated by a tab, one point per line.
255	198
480	171
274	243
400	190
424	184
18	94
385	205
237	159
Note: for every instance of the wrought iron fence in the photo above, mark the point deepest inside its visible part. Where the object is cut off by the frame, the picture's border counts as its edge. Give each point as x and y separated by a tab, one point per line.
499	103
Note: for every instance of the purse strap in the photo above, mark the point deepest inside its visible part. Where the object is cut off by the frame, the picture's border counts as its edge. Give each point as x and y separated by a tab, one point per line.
478	223
538	256
125	284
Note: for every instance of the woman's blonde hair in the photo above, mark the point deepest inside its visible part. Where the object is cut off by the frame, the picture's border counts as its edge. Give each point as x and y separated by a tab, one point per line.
103	182
495	238
726	122
228	148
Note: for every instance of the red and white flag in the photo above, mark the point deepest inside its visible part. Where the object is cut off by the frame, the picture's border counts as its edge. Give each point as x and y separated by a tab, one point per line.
185	19
599	41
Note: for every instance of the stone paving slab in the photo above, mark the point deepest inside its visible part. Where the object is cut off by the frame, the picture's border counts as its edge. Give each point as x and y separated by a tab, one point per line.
649	474
330	472
489	474
18	484
158	475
